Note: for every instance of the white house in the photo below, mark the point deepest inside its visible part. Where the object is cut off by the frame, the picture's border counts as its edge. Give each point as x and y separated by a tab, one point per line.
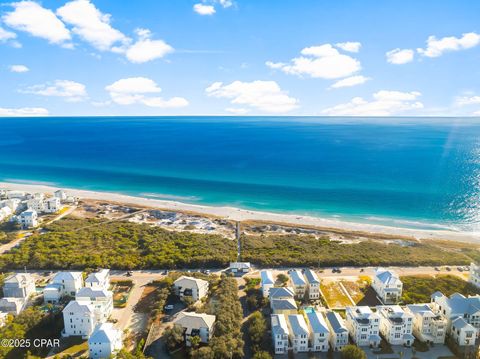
319	332
191	287
298	282
101	301
299	333
396	325
474	274
195	324
19	285
104	341
388	286
28	218
267	281
52	205
78	319
313	285
13	204
363	325
16	194
12	305
280	333
428	326
338	330
463	333
457	305
37	202
52	293
240	267
98	280
71	282
5	212
60	194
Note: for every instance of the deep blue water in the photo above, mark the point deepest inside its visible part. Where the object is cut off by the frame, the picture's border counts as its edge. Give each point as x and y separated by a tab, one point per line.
393	171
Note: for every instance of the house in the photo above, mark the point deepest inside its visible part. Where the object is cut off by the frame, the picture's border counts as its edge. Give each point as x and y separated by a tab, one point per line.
313	285
474	274
319	332
13	204
240	267
396	325
463	333
299	333
428	326
338	330
363	325
189	287
19	285
28	218
281	293
267	281
12	305
283	306
52	205
71	282
60	194
457	305
37	203
280	333
104	341
388	286
52	293
98	280
195	324
78	319
298	282
100	300
5	212
16	195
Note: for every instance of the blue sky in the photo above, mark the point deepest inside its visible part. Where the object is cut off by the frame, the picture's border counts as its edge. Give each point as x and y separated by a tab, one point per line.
245	57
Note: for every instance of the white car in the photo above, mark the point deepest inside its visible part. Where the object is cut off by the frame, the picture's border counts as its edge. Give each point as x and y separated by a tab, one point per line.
169	307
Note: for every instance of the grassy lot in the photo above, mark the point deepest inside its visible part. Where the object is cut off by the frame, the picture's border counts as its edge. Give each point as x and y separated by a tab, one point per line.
418	289
121	292
76	348
307	250
355	289
334	295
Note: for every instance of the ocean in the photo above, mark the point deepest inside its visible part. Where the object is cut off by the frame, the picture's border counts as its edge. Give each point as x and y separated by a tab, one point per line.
411	172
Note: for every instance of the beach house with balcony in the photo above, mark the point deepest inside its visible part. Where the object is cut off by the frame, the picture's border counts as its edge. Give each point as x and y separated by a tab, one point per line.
70	282
98	280
28	219
105	341
457	305
363	325
196	324
78	319
298	282
319	332
396	325
299	333
19	285
189	287
428	326
338	330
280	333
313	285
388	286
100	300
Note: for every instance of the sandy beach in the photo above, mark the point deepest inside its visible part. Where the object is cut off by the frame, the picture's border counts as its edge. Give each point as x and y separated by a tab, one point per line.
243	214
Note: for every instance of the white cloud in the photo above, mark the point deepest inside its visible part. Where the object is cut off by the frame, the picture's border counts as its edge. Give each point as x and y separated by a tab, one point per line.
399	56
349	46
145	49
91	25
19	68
436	47
384	103
25	111
322	61
237	111
71	91
31	17
135	90
6	35
204	9
266	96
350	81
225	3
467	100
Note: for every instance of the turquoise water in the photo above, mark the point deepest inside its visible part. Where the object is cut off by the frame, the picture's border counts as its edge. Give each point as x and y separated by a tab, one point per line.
404	172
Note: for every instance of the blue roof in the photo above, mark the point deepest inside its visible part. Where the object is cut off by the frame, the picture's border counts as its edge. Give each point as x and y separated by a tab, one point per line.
311	276
317	322
297	277
336	322
267	277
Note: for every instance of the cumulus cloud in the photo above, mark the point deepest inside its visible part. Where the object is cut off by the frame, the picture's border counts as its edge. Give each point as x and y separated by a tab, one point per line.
6	35
138	90
322	61
146	49
349	46
71	91
467	100
19	68
350	81
203	9
24	111
437	47
400	56
266	96
384	103
31	17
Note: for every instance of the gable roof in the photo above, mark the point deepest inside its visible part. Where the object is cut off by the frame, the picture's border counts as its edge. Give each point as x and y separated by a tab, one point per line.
279	324
98	277
19	278
66	276
317	322
267	277
191	320
337	323
281	292
283	304
190	282
298	324
78	307
387	277
297	277
461	323
87	292
311	276
104	333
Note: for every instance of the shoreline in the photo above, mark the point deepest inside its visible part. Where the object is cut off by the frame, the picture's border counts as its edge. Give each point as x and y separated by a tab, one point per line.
238	214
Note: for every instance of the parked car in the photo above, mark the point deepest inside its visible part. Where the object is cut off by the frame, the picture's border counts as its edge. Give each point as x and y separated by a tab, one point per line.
169	307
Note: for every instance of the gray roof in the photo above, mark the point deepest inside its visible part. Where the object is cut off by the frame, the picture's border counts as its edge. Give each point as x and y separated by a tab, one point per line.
279	324
297	277
104	333
191	320
298	324
267	277
97	277
317	322
461	323
336	322
281	292
283	304
66	276
78	307
387	277
311	276
88	292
